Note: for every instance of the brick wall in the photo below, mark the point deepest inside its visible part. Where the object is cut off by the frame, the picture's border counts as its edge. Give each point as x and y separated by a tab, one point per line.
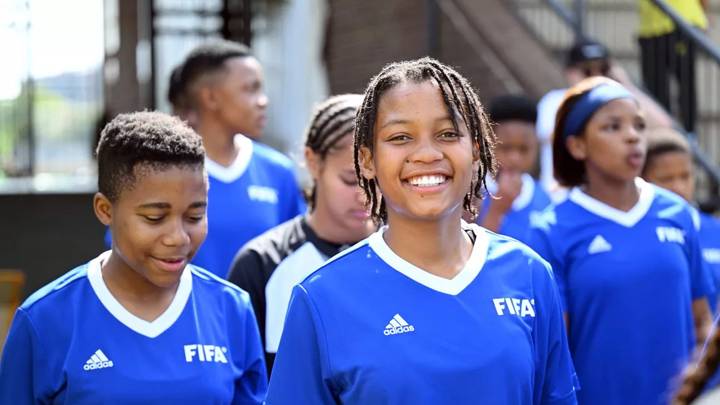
365	35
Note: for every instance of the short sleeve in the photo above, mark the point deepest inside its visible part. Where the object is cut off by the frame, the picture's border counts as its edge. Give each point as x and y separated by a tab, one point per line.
701	279
540	240
555	378
251	386
301	367
20	369
294	200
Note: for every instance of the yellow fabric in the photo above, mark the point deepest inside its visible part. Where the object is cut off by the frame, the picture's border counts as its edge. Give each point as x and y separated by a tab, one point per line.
653	22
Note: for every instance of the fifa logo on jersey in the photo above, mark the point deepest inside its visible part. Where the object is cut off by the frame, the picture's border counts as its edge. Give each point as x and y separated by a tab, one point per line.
515	306
263	194
205	353
670	234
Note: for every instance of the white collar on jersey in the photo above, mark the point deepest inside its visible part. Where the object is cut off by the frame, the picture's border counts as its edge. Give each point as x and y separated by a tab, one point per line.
452	286
150	329
627	219
526	191
237	167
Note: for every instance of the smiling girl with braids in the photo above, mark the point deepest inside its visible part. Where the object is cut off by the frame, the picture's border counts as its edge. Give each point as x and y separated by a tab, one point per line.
269	266
429	309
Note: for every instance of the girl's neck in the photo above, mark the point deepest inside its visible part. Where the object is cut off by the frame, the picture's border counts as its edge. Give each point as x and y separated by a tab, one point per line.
219	144
133	291
438	247
621	195
326	229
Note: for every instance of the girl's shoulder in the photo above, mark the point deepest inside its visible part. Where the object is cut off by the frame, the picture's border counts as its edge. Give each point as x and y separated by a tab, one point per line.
59	293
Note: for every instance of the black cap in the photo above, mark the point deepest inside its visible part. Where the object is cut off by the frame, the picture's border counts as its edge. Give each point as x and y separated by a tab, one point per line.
586	50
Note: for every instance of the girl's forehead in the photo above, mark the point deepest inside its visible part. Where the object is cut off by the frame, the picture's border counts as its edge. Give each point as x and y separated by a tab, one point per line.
621	106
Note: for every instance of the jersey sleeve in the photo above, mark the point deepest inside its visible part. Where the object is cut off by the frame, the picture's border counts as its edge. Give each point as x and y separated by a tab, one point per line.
701	279
555	378
21	369
295	201
251	387
540	239
300	373
247	273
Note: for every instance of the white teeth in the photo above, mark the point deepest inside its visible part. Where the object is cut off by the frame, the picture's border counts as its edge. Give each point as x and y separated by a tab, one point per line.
426	181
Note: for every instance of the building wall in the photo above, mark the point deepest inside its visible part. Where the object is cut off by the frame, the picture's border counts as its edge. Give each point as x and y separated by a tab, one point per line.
46	235
364	36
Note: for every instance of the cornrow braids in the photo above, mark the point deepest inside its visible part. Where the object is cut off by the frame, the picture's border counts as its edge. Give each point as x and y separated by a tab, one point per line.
698	373
331	121
460	100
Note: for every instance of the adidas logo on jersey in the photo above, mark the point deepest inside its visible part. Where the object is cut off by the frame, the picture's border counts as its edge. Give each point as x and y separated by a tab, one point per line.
515	306
97	360
670	234
263	194
598	245
205	353
397	326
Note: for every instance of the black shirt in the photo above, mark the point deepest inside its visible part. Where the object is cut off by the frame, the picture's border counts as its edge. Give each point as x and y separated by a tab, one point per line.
269	266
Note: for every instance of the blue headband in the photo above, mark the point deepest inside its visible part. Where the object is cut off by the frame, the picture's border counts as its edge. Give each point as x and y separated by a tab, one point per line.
590	102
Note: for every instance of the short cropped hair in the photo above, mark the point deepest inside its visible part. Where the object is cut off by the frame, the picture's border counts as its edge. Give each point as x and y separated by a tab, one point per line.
153	139
177	94
205	59
664	140
512	107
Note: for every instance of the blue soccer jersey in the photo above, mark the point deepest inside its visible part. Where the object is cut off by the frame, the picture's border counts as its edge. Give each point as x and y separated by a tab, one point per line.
72	343
370	328
710	243
627	281
257	192
531	201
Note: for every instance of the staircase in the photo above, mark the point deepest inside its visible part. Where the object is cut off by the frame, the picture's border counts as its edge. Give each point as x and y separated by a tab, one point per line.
614	23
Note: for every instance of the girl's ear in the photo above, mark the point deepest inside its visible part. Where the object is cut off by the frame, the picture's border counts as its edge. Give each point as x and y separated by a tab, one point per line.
367	166
577	147
313	163
206	98
103	208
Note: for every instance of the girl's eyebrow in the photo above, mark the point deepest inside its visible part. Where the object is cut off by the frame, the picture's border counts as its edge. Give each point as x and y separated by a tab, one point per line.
396	121
162	205
400	121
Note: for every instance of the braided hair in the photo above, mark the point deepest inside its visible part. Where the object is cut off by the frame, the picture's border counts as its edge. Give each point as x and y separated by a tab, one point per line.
460	100
698	373
331	121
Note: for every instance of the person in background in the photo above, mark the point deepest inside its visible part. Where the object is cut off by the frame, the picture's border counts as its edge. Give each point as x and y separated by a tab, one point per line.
625	253
665	53
252	187
586	58
669	165
269	266
515	195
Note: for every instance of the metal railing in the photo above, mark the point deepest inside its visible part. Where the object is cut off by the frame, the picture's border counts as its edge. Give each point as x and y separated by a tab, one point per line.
614	23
